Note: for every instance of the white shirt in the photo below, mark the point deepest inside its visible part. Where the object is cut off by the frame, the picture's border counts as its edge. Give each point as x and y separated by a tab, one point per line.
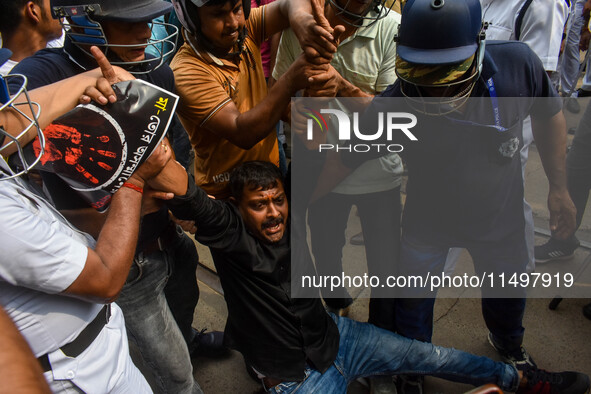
541	29
7	66
41	255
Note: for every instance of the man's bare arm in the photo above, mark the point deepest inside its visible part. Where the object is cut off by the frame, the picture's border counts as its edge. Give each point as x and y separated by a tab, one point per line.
550	137
247	129
108	264
19	368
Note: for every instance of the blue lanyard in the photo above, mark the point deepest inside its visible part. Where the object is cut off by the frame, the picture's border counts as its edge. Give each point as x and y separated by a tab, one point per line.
495	103
495	108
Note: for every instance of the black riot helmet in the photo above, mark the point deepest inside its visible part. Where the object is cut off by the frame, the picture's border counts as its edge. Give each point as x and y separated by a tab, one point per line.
186	11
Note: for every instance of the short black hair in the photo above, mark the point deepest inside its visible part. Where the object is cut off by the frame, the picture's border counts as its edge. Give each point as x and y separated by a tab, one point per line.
11	14
254	175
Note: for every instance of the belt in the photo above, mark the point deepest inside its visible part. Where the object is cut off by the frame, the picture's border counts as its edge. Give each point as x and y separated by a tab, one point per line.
269	383
169	235
83	340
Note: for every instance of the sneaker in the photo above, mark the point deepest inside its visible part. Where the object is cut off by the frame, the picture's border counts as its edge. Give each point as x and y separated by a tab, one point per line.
357	239
587	311
410	384
555	250
538	381
209	344
380	384
572	105
518	357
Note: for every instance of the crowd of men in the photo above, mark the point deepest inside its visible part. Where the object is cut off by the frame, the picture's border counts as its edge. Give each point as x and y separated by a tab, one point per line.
80	284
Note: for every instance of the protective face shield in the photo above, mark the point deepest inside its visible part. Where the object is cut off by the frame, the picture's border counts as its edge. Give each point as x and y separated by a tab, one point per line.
17	103
81	20
440	49
186	12
380	9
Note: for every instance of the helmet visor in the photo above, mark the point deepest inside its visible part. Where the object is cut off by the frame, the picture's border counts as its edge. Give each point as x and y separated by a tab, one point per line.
428	74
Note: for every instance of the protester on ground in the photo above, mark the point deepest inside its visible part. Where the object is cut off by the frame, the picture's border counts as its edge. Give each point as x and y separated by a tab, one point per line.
292	343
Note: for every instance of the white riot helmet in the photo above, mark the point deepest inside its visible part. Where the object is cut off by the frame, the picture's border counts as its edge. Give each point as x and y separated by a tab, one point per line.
82	19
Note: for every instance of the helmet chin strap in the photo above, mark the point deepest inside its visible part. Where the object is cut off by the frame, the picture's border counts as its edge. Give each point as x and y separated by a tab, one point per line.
205	44
357	20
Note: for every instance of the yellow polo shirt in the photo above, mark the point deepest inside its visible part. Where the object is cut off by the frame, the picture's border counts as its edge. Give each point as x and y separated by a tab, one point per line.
205	84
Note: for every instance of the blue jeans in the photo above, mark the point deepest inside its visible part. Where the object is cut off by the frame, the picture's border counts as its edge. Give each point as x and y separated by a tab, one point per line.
503	316
150	323
366	350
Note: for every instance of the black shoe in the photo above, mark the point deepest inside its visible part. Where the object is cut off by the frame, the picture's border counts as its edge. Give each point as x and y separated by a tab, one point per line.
339	306
382	384
538	381
583	93
587	311
410	384
555	250
518	357
357	239
209	344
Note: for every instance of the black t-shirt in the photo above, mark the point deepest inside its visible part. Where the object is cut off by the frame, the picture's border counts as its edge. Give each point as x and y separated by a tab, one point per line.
276	334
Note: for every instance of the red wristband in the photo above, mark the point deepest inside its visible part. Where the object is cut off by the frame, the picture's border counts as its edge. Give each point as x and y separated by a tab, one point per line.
134	187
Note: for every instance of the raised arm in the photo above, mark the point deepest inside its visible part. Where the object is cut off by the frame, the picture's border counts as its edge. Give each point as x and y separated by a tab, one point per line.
230	124
306	18
60	97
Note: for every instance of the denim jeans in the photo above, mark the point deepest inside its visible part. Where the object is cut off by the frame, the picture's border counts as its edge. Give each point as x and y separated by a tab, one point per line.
366	350
503	316
150	323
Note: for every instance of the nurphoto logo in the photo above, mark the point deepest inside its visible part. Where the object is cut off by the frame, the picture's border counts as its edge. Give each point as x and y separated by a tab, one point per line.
390	124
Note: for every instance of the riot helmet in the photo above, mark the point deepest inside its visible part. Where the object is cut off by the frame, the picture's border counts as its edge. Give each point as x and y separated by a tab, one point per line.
82	21
380	9
187	13
439	47
22	106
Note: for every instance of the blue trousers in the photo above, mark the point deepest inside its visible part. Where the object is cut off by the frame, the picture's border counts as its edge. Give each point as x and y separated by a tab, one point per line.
366	350
503	316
